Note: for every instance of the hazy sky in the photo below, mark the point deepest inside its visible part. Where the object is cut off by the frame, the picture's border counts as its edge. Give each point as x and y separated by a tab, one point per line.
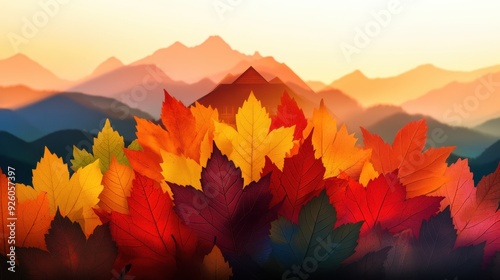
312	37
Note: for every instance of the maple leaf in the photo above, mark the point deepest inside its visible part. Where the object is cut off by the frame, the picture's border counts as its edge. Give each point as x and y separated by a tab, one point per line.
313	240
33	222
248	146
75	196
187	141
289	115
474	209
336	148
117	182
421	173
147	236
300	181
215	266
70	255
381	202
108	143
434	254
238	219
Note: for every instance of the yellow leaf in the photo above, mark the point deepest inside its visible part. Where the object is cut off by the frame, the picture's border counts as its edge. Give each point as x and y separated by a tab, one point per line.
215	266
74	197
107	144
24	192
51	175
367	173
33	222
135	146
81	158
117	183
337	148
81	195
248	146
180	170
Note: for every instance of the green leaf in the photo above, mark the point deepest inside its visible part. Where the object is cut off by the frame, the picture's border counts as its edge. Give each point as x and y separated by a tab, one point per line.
313	244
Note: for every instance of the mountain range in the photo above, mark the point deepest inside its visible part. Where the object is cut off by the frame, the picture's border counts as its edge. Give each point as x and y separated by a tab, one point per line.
64	111
36	102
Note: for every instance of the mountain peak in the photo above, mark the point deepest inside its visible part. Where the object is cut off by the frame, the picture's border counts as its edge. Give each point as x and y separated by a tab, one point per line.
250	76
108	65
215	42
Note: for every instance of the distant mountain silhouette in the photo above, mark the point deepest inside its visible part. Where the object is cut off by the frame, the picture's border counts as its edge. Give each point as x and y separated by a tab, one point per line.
491	127
227	98
484	164
406	86
370	116
14	97
191	64
21	70
108	65
342	106
69	111
468	142
14	123
316	85
142	86
459	104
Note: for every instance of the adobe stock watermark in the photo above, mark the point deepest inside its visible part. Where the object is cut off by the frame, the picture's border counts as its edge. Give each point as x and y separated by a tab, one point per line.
363	36
310	264
223	6
471	103
31	26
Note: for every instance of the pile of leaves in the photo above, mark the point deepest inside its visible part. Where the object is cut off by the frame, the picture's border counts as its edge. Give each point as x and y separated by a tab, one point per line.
281	197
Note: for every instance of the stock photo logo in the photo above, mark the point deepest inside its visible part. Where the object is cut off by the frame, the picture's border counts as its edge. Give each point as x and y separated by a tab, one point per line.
249	140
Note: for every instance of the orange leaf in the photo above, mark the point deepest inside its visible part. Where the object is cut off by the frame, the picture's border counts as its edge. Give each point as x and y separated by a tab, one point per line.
117	183
33	222
336	147
421	173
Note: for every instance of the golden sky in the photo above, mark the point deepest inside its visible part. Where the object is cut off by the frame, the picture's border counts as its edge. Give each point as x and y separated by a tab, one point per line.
319	40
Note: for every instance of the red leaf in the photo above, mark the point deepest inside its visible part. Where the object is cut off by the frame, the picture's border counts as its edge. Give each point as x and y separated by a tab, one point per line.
147	236
382	201
421	173
239	220
70	255
480	219
289	114
300	181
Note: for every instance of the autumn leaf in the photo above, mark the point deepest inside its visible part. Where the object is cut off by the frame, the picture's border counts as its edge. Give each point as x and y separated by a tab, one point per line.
33	222
108	143
186	139
314	239
238	219
215	267
69	254
147	236
336	147
421	173
475	210
300	181
76	196
117	182
381	202
251	142
289	115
